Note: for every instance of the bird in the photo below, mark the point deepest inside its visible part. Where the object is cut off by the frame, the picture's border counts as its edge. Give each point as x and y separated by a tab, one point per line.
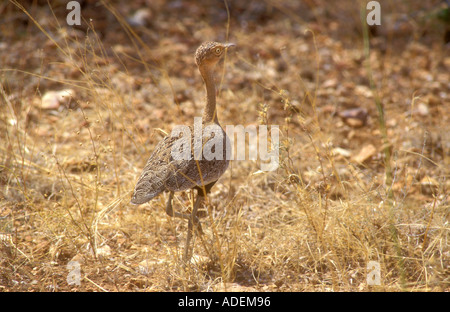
165	173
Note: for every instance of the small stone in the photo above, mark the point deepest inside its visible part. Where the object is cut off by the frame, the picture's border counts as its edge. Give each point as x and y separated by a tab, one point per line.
355	117
140	18
429	185
54	99
422	109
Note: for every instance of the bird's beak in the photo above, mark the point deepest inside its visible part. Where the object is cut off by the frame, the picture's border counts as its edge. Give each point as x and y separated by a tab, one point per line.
229	45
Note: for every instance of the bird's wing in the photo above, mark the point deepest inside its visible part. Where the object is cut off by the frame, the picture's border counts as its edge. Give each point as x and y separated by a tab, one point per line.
152	179
164	172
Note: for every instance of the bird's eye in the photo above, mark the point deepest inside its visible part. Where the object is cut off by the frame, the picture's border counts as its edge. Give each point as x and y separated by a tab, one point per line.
218	50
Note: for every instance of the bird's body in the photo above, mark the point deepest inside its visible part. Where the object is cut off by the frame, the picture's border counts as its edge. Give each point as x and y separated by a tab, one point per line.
164	172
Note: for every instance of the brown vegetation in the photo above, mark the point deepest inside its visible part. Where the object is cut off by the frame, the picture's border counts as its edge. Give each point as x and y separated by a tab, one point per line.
364	158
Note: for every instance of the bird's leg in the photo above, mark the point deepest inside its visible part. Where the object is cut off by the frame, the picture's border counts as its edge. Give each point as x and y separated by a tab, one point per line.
170	212
192	220
202	192
194	214
192	217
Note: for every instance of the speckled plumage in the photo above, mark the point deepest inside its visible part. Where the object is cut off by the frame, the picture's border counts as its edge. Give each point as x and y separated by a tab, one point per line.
202	51
164	173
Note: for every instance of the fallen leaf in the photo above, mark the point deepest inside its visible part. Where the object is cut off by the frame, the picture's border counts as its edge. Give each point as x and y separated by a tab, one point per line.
341	151
367	152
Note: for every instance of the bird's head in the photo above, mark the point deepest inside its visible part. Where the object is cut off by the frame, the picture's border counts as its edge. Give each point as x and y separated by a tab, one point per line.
209	53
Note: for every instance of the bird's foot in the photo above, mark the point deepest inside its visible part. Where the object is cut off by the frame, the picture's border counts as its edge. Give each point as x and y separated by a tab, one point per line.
202	213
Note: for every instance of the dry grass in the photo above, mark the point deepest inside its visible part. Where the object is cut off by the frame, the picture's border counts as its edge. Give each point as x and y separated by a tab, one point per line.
312	225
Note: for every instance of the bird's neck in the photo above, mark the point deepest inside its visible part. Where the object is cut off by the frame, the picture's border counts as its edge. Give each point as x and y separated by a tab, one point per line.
209	112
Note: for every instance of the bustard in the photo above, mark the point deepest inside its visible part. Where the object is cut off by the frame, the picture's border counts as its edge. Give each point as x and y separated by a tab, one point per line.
164	173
